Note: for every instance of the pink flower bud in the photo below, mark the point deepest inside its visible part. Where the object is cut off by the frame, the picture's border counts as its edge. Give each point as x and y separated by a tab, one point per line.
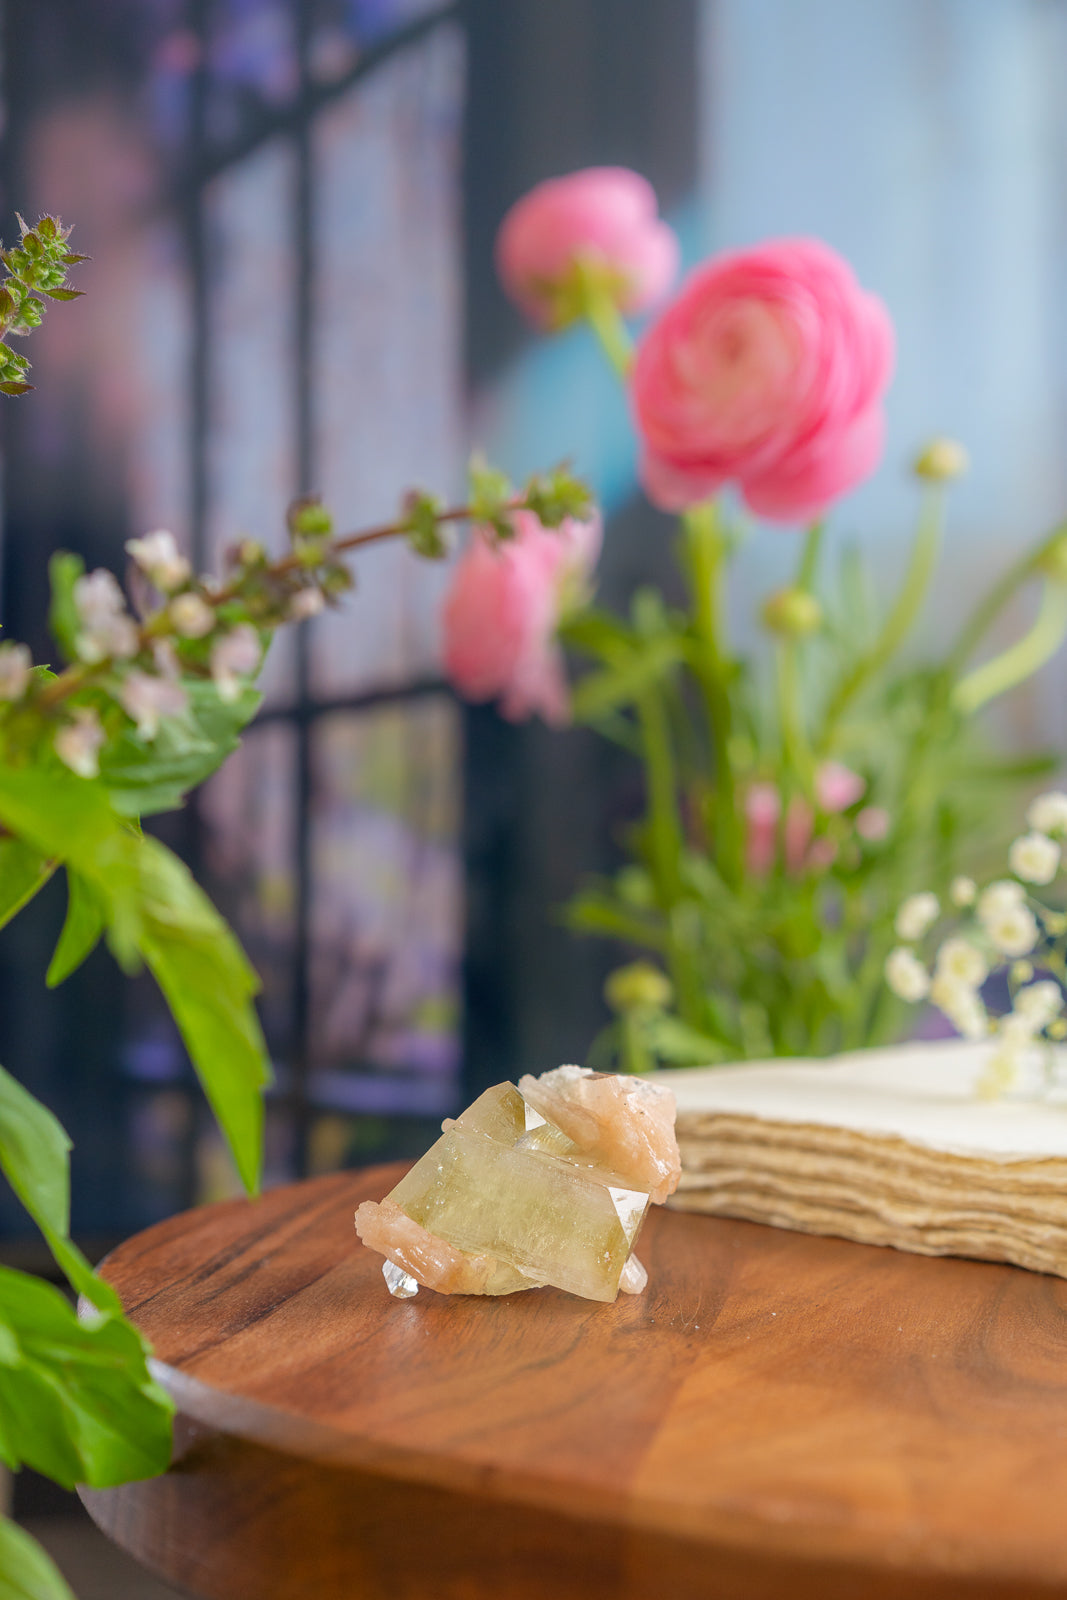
603	216
502	610
763	807
837	787
767	370
799	825
872	823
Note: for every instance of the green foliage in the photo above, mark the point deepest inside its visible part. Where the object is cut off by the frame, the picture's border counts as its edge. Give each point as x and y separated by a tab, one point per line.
26	1572
553	496
144	777
33	1156
23	871
64	570
423	527
491	497
37	265
84	924
77	1401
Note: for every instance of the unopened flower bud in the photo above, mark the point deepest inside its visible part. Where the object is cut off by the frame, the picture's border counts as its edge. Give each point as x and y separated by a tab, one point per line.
235	656
941	461
792	612
639	986
305	604
77	743
191	617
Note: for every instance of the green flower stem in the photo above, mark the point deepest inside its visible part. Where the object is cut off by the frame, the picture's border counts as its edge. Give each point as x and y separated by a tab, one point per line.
705	552
987	611
1022	660
601	311
809	556
796	751
666	844
903	615
633	1047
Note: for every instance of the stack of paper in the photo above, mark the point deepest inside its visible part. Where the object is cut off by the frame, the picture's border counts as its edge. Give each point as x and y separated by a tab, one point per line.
888	1147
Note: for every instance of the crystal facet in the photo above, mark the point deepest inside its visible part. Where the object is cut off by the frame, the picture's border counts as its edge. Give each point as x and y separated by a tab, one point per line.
547	1186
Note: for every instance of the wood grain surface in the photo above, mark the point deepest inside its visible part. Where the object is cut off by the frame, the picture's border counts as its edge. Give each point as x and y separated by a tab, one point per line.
776	1416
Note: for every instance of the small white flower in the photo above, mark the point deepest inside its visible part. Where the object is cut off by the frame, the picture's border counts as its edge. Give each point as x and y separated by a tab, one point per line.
1034	858
918	913
1048	812
158	557
1039	1004
961	960
78	743
1004	895
191	617
906	975
109	631
1013	931
235	656
146	699
962	891
961	1006
306	603
15	663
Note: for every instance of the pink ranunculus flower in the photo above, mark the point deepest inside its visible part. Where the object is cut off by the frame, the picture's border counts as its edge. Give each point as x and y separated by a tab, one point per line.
837	787
605	216
768	371
502	611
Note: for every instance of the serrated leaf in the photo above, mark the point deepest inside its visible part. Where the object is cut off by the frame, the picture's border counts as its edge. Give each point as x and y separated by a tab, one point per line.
13	386
26	1571
64	570
79	1404
81	932
64	294
144	778
23	871
34	1151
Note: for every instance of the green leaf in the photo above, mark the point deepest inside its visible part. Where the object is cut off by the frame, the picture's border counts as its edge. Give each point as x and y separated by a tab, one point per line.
34	1152
64	570
81	930
26	1572
621	684
64	294
598	633
208	984
144	778
23	871
77	1401
15	386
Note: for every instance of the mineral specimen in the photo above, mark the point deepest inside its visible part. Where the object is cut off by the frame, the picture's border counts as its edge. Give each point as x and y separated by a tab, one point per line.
545	1184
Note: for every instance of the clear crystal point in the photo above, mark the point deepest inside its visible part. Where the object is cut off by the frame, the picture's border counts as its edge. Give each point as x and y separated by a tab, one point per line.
400	1283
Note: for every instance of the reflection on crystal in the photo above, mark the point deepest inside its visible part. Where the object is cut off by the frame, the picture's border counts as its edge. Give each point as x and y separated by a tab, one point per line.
503	1201
401	1284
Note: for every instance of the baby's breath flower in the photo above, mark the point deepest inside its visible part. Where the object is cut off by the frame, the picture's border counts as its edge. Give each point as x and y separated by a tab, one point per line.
191	617
1034	858
906	975
1013	931
961	1005
1004	895
1021	972
962	892
158	557
1039	1004
233	657
15	663
918	913
147	699
108	629
77	743
961	960
1047	813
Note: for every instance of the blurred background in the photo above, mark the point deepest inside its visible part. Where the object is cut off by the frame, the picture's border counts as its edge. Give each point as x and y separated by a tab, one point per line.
290	207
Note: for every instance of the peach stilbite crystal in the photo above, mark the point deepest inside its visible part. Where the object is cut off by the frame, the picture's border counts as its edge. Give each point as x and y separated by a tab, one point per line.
626	1123
509	1198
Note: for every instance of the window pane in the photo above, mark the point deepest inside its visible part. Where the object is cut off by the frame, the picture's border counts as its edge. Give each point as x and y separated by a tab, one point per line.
341	30
386	915
252	66
388	385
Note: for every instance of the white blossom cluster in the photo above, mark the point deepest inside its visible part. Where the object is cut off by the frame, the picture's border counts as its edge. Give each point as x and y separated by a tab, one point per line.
1003	925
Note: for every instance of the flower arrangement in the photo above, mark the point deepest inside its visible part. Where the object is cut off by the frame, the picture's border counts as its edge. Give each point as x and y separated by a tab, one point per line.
1008	932
791	801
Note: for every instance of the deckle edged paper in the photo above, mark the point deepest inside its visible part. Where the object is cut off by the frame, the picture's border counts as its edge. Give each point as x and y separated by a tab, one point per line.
888	1147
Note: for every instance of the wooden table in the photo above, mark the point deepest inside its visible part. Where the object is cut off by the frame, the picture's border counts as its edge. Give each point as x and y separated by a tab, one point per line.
776	1416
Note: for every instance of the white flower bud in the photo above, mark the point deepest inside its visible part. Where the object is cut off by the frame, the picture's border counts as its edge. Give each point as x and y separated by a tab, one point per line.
305	604
15	664
158	557
109	631
963	891
146	699
906	975
918	913
1034	858
235	656
191	617
77	743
